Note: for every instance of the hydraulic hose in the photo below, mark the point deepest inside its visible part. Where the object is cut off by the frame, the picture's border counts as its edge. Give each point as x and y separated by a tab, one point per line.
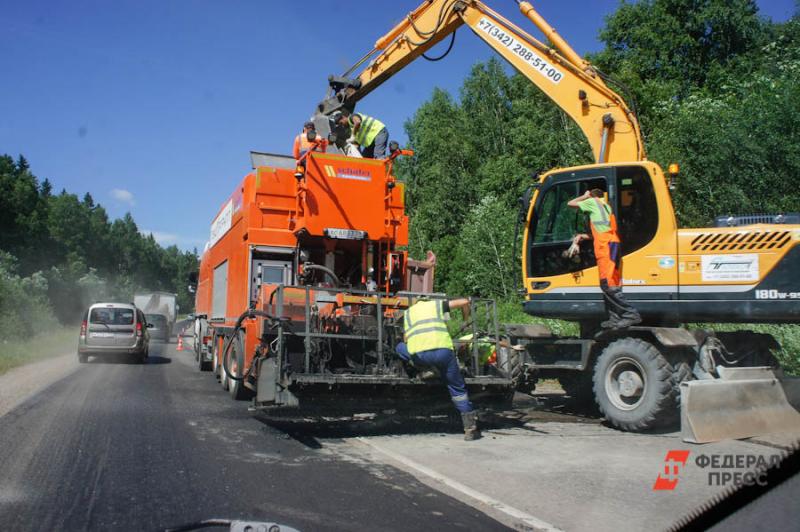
250	313
323	269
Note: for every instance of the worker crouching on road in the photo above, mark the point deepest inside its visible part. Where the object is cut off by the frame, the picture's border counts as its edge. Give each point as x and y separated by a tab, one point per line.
369	133
608	252
302	145
428	343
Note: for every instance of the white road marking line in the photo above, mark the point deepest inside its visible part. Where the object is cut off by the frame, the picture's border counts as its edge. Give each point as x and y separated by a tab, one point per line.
483	499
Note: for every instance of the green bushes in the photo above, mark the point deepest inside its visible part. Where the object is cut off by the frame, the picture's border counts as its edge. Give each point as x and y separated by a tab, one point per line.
24	307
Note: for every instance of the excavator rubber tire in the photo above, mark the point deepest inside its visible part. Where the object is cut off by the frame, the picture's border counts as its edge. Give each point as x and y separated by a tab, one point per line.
659	400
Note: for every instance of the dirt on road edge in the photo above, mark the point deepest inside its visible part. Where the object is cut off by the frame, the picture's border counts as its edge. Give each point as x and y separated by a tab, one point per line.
23	382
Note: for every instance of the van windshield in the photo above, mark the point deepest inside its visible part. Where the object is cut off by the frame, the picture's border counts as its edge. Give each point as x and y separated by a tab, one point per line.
112	316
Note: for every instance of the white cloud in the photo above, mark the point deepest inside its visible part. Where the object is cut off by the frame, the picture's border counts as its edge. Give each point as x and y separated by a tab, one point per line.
165	239
122	195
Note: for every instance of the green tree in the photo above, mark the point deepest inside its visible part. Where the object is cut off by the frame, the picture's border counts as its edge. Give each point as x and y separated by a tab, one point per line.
665	49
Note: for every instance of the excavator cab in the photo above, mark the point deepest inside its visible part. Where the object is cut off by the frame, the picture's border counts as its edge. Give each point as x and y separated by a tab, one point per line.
567	287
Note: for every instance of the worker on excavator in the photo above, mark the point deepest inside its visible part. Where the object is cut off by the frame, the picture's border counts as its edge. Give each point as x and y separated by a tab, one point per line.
369	133
428	343
608	252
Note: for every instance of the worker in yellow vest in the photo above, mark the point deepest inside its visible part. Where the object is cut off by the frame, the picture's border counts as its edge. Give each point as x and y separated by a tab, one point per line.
369	133
428	343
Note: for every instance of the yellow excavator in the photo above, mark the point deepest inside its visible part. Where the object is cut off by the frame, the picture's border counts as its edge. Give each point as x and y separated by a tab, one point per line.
741	270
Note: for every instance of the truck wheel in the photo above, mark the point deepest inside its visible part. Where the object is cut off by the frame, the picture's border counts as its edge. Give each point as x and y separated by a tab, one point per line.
634	386
203	365
236	366
215	367
83	359
223	378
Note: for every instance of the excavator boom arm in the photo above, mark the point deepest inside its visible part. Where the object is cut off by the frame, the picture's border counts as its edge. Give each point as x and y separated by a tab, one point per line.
572	83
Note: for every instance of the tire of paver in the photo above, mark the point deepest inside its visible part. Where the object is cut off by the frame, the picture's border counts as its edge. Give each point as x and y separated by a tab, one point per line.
635	386
236	364
509	361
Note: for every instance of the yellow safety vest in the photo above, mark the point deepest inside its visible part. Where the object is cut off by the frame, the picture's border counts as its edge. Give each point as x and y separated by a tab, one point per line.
425	328
486	348
369	129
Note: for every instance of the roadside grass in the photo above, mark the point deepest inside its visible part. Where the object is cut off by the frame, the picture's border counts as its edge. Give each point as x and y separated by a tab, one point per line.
59	341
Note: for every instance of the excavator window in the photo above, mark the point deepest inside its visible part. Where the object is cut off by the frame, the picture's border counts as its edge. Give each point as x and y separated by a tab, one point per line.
638	209
555	224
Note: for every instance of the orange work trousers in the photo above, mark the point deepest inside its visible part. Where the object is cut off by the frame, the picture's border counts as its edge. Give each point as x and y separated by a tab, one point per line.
609	257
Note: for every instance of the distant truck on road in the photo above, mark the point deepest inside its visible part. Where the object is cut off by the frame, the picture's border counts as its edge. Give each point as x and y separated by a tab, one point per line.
163	303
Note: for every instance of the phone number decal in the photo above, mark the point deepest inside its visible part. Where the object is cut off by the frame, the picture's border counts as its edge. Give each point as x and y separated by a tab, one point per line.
522	50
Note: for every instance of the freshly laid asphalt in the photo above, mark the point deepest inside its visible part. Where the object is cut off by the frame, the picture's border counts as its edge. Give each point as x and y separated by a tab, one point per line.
118	446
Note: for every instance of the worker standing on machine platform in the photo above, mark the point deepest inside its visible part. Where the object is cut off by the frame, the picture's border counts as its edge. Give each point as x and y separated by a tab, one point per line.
608	252
369	133
303	143
428	343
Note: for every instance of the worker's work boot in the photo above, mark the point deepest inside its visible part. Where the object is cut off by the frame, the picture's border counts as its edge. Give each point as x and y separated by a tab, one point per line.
471	430
627	322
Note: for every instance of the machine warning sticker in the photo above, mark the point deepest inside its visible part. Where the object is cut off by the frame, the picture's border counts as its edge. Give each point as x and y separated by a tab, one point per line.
523	50
730	267
221	223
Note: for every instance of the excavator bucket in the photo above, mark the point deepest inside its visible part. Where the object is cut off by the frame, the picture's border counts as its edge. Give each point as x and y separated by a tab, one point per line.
742	403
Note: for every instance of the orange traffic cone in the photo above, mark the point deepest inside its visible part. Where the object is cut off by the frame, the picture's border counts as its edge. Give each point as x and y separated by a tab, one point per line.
180	344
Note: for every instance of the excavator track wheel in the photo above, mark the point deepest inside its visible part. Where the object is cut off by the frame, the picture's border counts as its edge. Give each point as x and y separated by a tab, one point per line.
634	386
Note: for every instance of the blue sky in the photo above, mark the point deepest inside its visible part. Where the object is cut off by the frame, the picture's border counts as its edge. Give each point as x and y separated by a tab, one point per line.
153	106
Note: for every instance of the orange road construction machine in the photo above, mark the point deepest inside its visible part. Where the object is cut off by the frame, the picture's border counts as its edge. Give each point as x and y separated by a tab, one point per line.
301	287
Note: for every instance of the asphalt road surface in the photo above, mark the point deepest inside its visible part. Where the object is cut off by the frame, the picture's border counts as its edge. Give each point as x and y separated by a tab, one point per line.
117	446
